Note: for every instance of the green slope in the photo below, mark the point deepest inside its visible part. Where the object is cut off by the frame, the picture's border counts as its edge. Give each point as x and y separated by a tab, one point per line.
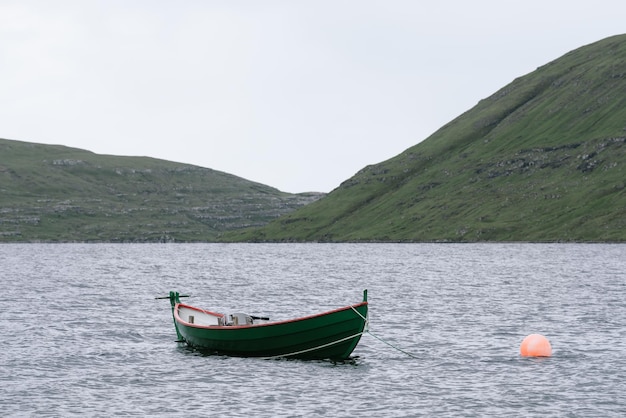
55	193
542	159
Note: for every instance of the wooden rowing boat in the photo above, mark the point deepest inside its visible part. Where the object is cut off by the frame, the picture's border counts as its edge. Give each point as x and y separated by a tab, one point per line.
329	335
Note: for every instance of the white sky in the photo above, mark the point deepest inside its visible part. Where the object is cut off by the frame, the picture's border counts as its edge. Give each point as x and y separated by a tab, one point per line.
295	94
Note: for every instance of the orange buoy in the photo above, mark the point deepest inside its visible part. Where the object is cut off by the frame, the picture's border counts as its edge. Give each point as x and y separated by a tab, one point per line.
535	345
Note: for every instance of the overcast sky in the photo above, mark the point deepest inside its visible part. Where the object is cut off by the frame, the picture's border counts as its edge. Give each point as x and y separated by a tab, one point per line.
298	95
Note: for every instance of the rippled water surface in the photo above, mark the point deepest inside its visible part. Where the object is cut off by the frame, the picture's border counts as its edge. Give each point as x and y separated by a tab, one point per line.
83	334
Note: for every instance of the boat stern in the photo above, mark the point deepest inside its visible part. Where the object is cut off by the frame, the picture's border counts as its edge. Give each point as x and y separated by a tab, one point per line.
174	300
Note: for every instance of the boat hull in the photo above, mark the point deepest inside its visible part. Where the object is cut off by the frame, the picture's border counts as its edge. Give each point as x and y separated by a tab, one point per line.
330	335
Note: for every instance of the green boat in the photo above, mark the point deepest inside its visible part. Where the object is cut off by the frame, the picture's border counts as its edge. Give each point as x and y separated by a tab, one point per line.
329	335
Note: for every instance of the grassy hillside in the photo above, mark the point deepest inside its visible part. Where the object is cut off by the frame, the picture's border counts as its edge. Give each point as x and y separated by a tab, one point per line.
56	193
542	159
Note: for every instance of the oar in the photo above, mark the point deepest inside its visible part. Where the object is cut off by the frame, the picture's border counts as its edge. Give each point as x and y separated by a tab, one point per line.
262	318
180	296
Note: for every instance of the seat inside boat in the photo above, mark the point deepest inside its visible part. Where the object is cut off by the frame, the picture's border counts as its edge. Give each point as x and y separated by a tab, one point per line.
238	319
199	318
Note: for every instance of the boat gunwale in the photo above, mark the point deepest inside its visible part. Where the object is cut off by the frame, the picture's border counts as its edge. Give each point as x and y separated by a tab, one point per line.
265	324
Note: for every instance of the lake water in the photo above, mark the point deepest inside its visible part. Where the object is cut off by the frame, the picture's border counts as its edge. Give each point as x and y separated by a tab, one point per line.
83	334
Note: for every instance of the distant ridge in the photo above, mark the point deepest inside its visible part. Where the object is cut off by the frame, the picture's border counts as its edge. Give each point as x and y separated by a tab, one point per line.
51	193
542	159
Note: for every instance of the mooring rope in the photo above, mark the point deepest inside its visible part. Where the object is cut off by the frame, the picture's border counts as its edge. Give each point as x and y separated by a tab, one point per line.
391	345
366	329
